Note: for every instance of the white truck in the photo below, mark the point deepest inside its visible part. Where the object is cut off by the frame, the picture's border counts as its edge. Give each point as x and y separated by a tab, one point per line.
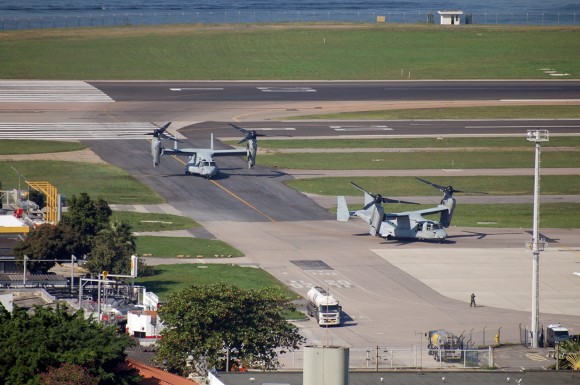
323	306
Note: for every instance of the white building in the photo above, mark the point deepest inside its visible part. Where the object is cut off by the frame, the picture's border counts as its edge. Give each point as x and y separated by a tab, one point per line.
143	324
450	17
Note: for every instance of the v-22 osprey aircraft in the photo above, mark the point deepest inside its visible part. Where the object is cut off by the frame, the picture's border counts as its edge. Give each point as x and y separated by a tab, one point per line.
201	160
403	225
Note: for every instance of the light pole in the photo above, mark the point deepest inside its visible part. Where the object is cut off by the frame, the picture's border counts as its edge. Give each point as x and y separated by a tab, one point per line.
536	245
17	173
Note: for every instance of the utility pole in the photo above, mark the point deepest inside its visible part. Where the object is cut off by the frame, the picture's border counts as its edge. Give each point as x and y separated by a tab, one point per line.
536	245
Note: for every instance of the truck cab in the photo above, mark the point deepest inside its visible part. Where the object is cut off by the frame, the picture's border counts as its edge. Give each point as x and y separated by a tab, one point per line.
556	333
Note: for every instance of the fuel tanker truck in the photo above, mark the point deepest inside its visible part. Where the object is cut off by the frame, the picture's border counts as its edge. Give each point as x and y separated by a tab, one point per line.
323	306
444	346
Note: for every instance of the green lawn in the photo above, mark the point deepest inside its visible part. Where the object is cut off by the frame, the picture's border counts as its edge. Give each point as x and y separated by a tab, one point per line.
172	278
172	247
490	144
99	180
298	52
14	147
455	159
409	186
140	222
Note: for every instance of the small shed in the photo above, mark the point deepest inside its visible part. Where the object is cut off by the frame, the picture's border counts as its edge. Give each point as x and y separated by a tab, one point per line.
143	324
450	17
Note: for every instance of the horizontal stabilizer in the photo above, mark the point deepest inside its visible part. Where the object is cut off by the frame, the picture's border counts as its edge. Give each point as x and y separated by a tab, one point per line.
342	213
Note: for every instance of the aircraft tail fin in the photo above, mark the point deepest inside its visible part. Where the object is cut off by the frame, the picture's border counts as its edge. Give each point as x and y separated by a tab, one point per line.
211	141
342	213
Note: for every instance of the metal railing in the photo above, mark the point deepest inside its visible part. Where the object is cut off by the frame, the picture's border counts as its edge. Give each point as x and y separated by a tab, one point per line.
379	358
232	17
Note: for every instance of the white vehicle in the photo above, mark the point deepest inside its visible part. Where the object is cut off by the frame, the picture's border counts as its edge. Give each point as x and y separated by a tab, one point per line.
323	306
556	333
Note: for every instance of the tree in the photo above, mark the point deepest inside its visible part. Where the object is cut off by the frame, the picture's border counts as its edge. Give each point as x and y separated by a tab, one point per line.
37	197
204	323
30	344
49	242
112	249
68	374
86	216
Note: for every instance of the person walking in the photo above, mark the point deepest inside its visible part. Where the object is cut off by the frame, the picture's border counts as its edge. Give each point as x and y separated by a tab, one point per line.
472	304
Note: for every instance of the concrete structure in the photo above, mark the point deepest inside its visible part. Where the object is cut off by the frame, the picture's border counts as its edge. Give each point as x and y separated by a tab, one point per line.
325	365
143	324
450	17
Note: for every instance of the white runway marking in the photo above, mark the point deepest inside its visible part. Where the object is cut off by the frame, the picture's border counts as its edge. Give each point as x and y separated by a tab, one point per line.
56	91
361	128
286	89
76	131
197	89
270	129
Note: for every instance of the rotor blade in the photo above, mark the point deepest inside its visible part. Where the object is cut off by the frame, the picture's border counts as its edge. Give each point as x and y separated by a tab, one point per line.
365	207
244	131
162	129
362	189
438	187
389	200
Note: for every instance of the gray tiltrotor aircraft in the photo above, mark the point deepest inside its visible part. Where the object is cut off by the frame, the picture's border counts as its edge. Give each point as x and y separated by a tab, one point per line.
403	225
201	160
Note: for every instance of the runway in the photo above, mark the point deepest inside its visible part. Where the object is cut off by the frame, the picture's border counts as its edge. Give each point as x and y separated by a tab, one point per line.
390	290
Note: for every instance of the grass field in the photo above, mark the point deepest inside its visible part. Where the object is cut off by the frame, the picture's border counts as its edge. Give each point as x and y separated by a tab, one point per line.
171	247
15	147
298	52
140	222
172	278
409	186
455	159
488	143
99	180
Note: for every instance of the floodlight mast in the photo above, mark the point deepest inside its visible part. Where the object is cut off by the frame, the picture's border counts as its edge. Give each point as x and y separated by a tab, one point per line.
537	245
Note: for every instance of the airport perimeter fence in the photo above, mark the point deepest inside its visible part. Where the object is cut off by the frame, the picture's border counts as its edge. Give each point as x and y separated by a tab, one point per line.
378	358
234	17
477	352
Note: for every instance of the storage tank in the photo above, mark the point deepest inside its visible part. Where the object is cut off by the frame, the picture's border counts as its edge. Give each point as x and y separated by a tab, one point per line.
325	365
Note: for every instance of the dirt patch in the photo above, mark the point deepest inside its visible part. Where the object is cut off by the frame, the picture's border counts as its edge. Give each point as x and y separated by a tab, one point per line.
86	155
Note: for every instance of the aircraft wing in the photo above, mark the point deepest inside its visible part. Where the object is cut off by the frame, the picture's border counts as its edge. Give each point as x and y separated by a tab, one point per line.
432	210
180	151
234	152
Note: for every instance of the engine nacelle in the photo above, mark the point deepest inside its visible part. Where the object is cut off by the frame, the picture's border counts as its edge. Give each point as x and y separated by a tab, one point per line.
251	152
446	216
156	150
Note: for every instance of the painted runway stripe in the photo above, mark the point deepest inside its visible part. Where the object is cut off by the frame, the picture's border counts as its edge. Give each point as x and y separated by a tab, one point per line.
270	128
34	91
286	89
361	128
198	89
76	131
